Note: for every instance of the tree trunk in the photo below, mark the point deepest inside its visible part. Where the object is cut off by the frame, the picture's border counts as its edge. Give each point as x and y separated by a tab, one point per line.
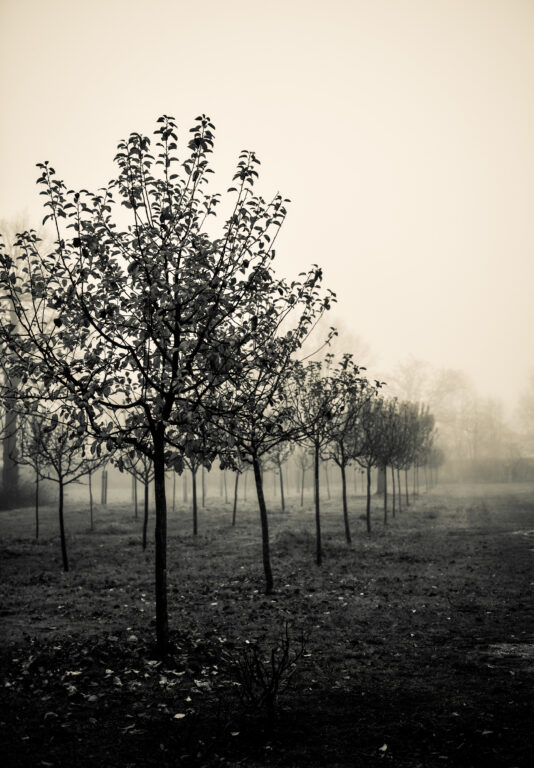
162	619
36	506
380	481
10	469
269	584
282	498
393	491
195	507
319	550
90	481
145	512
385	473
135	496
104	488
406	486
62	527
235	497
184	476
368	507
345	508
302	488
399	486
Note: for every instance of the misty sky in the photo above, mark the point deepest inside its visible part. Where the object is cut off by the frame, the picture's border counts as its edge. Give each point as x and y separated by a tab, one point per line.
402	131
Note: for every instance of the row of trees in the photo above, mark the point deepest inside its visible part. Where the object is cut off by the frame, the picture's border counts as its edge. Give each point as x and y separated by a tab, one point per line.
156	342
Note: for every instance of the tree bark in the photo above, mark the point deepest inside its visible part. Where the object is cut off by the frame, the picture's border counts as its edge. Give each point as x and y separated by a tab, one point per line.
89	478
269	584
399	486
195	506
393	491
162	619
319	550
385	473
62	527
345	508
282	498
406	486
234	513
10	469
145	512
36	506
302	489
368	507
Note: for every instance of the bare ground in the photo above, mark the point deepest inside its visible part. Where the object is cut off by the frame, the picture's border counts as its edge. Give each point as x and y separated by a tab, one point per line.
419	649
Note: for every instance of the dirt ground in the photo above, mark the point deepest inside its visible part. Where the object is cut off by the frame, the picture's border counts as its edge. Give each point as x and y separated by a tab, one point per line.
418	639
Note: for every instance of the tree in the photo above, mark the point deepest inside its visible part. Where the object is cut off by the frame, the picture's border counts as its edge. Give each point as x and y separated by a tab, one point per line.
314	399
132	328
253	414
276	459
57	454
353	391
139	466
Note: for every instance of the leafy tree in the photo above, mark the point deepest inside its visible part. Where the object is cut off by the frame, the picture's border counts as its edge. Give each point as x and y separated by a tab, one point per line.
368	443
352	391
304	461
132	327
57	454
253	413
139	466
314	399
276	459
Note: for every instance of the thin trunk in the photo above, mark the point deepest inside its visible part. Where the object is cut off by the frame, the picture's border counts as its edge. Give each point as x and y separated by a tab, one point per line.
399	486
302	488
245	489
184	476
104	488
10	468
274	484
145	512
235	497
345	508
269	584
90	476
319	551
36	505
195	509
414	490
393	491
282	498
368	508
62	527
406	487
385	471
162	619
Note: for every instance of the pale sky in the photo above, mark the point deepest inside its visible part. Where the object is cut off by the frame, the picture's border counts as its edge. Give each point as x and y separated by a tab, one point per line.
402	131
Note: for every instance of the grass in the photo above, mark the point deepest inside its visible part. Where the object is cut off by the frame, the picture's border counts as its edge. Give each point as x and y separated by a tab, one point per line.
400	629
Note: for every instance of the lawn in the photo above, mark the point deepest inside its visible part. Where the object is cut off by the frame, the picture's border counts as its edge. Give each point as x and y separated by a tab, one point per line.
416	642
